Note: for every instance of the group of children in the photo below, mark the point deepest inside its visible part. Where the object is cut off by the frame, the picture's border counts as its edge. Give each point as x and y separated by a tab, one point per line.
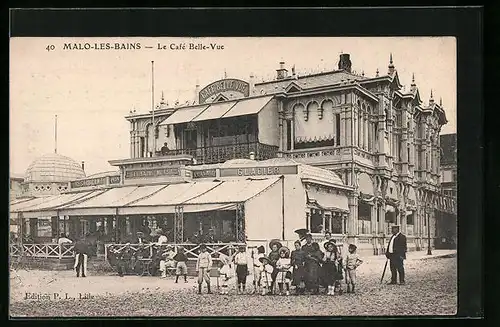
307	268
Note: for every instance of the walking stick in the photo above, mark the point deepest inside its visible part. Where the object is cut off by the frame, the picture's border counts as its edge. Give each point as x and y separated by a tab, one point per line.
254	276
383	273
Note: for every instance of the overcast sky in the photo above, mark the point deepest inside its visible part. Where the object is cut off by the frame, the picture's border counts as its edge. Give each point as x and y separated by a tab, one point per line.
92	91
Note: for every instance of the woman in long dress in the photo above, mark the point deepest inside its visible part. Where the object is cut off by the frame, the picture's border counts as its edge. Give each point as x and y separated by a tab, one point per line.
313	267
298	261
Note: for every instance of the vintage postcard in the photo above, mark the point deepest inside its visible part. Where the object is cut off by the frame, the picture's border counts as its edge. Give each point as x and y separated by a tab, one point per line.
256	176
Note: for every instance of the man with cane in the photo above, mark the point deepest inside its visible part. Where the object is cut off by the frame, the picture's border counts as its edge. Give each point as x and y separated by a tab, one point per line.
396	254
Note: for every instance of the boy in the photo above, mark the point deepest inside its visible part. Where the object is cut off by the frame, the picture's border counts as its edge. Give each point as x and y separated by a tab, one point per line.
351	263
203	266
241	261
181	268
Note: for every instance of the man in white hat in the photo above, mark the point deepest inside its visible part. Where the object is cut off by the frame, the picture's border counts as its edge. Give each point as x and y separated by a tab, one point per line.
396	253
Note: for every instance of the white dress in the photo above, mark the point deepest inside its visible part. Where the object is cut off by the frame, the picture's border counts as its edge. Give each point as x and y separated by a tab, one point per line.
283	265
266	275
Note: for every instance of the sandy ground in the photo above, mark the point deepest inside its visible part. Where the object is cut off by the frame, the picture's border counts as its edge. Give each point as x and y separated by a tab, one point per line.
431	284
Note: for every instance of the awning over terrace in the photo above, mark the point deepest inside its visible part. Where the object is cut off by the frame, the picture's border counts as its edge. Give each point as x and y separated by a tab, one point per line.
152	199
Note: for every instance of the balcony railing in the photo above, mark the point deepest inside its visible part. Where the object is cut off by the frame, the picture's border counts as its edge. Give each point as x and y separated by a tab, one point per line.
43	250
222	153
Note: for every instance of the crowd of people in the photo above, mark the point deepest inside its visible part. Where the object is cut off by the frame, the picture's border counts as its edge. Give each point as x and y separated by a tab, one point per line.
307	269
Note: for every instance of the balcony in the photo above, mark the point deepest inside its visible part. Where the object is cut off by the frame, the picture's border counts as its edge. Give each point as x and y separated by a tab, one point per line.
335	153
222	153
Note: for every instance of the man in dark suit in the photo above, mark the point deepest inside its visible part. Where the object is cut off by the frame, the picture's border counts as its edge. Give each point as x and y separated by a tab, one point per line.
82	252
396	253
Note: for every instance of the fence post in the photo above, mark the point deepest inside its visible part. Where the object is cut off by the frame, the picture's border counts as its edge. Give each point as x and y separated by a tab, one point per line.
60	251
105	252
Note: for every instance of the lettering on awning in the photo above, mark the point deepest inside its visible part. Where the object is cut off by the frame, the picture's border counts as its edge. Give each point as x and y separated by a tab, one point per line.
205	173
224	85
259	171
152	173
88	182
114	179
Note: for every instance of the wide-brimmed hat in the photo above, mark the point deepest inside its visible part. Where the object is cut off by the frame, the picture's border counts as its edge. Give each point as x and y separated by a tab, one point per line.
302	231
328	243
275	241
352	246
261	259
284	249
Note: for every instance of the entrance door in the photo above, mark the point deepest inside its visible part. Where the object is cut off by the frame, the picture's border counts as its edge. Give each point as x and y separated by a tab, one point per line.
190	139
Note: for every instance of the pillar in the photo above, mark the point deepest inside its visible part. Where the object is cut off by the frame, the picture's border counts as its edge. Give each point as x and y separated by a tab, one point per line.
348	128
179	224
352	225
366	132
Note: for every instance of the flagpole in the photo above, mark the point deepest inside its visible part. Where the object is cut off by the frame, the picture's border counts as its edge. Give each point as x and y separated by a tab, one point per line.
153	105
55	135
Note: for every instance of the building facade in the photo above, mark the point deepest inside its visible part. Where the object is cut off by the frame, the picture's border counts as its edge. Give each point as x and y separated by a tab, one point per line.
382	141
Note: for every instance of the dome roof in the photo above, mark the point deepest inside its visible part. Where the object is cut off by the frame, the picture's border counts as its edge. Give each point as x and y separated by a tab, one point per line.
53	167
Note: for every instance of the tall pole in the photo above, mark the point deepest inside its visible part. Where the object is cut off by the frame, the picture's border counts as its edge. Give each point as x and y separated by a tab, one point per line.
153	105
55	135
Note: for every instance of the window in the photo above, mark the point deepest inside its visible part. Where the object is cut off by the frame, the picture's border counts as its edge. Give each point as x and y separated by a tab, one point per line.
336	226
316	221
364	218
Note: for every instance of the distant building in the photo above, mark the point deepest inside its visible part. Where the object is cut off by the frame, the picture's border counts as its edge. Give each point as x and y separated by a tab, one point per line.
15	188
449	164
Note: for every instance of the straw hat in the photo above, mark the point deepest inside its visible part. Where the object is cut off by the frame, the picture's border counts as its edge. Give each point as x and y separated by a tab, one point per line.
329	243
261	259
284	249
275	241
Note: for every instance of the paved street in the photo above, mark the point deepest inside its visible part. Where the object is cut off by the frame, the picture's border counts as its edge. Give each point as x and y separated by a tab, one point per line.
431	289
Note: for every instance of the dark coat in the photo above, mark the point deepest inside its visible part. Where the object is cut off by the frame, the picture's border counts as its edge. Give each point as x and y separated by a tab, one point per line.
82	247
399	247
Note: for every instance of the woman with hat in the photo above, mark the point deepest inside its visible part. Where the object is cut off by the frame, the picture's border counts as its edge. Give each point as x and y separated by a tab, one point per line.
274	256
266	272
283	266
330	269
313	267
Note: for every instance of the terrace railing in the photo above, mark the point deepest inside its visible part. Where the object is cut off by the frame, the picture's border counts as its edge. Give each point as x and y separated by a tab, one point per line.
222	153
59	251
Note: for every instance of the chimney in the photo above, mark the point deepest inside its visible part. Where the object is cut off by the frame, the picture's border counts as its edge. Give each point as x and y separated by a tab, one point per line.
282	72
83	165
252	84
345	62
196	92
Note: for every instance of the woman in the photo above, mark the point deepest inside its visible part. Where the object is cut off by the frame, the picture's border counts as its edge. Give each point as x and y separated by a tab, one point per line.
313	267
298	261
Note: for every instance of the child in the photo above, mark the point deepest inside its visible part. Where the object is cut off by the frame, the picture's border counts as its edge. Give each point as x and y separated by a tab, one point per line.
351	263
257	265
274	256
297	261
167	261
203	266
313	268
181	268
330	269
283	266
241	262
226	272
266	271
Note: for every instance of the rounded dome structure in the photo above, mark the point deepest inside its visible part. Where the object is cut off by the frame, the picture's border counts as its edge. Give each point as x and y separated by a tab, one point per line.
53	168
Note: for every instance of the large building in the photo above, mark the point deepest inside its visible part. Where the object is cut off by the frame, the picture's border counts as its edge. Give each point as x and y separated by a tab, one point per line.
365	155
449	164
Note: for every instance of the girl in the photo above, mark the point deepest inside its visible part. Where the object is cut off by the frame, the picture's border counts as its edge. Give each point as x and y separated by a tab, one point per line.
226	271
298	260
257	264
313	265
283	266
330	269
266	271
351	263
274	256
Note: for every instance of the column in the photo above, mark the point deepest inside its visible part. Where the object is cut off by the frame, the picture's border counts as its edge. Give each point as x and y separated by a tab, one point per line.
366	132
352	225
292	129
348	128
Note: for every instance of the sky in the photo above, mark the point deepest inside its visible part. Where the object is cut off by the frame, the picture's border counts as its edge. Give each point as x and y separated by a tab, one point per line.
91	91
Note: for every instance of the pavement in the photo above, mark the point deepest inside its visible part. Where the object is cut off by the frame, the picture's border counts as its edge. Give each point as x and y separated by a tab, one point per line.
431	280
